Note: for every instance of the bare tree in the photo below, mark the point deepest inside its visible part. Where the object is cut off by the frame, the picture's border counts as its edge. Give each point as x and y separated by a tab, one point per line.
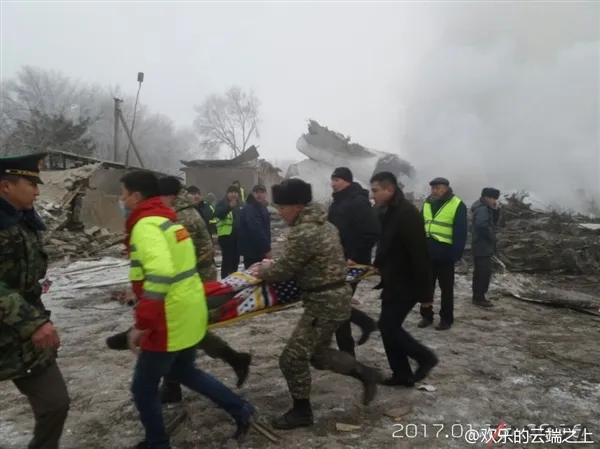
230	120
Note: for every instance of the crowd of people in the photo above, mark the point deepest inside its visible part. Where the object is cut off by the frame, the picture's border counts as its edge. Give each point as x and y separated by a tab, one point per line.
171	250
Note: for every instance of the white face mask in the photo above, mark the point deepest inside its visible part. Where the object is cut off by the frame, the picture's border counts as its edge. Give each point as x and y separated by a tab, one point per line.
124	210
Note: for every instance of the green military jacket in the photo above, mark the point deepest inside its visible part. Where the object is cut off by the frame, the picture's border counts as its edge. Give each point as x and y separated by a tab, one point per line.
23	263
313	255
191	219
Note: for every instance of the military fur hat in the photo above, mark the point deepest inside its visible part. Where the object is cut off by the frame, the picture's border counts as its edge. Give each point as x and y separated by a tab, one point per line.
292	191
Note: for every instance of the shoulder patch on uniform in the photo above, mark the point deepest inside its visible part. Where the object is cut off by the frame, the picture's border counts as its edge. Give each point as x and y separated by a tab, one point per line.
182	234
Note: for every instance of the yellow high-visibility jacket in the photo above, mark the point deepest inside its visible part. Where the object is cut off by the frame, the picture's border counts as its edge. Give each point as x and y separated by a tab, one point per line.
172	304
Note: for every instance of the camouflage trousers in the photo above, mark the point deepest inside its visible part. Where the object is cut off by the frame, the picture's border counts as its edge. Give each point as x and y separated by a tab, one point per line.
208	273
309	345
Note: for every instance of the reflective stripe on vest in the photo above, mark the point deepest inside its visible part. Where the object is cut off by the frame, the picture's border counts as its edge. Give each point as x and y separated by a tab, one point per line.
225	226
213	220
439	227
182	293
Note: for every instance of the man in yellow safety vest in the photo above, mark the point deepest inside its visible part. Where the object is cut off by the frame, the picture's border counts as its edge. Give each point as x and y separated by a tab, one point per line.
242	199
172	315
446	227
228	213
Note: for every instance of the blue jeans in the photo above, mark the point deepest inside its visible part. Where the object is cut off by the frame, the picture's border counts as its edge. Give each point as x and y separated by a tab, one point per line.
152	366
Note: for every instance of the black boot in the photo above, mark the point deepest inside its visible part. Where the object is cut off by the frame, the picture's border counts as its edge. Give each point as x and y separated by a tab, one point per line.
170	392
424	323
482	301
300	415
367	330
425	367
240	362
144	445
118	341
369	377
395	381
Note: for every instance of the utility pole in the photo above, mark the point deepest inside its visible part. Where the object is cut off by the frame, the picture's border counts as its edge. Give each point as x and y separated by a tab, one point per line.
140	80
116	128
119	118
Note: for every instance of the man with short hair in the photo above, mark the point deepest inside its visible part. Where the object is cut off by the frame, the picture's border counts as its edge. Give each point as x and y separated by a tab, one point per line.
446	228
171	317
242	192
228	213
255	228
174	196
314	257
28	339
203	207
486	214
353	216
402	259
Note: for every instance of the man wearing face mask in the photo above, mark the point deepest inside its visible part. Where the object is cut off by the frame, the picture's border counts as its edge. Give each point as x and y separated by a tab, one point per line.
171	318
28	339
446	227
486	214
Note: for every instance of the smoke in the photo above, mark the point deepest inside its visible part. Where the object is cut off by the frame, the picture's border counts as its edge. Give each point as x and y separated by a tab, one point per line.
508	95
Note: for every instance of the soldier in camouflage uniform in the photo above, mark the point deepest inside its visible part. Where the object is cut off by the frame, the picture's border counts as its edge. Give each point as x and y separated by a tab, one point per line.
215	347
28	339
313	255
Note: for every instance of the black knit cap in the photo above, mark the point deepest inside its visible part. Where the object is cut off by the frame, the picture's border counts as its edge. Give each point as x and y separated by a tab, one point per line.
490	192
27	166
343	173
439	181
291	192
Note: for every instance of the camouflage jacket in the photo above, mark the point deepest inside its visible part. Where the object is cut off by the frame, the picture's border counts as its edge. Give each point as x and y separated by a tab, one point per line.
313	255
191	219
23	264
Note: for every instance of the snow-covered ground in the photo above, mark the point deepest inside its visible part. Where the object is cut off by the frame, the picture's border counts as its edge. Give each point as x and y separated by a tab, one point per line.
518	364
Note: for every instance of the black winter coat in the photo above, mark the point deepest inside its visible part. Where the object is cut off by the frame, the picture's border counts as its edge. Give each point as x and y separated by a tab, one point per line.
403	255
357	223
254	240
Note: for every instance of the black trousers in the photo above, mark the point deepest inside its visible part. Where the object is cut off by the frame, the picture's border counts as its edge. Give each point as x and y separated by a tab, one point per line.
442	272
249	261
399	345
482	275
343	335
230	255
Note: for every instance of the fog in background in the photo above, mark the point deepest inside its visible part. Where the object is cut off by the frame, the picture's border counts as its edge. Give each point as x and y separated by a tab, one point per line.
508	95
501	93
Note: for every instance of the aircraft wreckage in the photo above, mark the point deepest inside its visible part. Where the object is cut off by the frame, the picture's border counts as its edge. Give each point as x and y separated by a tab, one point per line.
328	149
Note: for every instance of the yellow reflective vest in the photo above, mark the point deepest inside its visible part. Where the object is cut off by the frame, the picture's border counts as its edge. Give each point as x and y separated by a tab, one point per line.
440	225
172	307
225	226
213	220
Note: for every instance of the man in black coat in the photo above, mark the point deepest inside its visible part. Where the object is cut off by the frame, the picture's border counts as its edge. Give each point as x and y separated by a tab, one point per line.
353	216
403	262
483	246
255	228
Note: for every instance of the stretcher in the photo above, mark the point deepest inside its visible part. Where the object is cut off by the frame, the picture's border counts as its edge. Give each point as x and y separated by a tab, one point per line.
241	296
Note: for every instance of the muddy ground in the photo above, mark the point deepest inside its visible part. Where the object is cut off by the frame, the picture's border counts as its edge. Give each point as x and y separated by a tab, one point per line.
518	363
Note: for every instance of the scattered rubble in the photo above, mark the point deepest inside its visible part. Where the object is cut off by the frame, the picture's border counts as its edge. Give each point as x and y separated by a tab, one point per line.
59	205
537	241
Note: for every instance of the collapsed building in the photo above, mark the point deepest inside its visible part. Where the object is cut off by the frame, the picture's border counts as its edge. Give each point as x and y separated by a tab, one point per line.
215	175
79	203
328	149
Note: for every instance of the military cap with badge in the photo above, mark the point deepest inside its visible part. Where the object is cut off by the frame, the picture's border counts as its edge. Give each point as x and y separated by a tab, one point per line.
26	166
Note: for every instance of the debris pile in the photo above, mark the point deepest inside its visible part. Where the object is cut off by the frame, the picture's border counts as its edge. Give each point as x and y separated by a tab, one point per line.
538	241
59	205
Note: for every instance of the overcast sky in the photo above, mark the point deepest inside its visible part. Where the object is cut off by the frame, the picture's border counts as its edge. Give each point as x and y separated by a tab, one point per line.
503	90
335	62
